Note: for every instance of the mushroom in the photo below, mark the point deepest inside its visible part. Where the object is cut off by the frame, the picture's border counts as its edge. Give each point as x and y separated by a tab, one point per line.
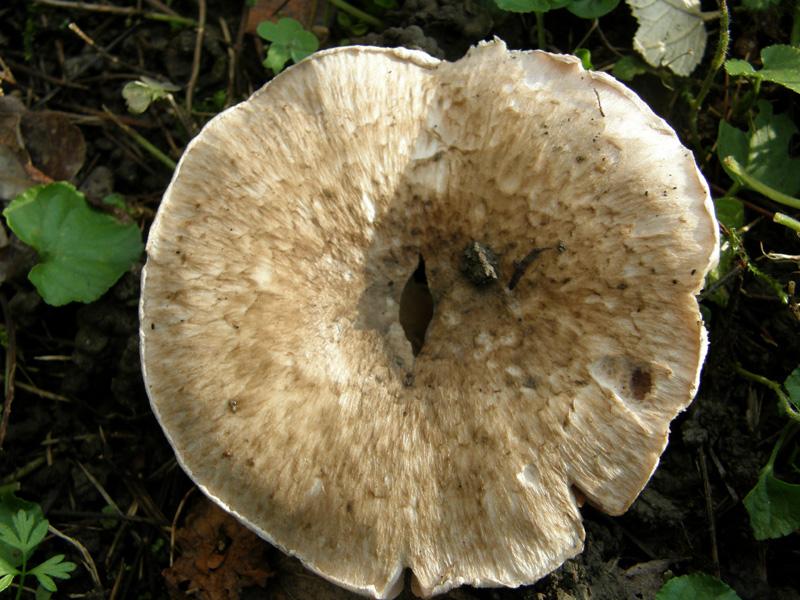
561	231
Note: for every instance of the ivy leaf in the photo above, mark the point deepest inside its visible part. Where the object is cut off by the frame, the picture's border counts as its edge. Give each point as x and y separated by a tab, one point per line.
763	150
671	33
697	586
592	9
82	252
781	65
773	505
139	94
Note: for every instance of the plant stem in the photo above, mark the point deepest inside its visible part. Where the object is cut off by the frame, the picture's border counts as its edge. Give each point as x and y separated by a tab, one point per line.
759	186
783	400
716	63
359	14
736	243
540	33
787	221
142	141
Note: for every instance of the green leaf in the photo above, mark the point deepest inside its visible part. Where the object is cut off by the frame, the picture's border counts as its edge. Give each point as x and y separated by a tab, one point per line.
5	581
289	42
304	44
526	6
760	4
592	9
730	212
38	533
792	385
55	566
23	523
781	65
773	505
697	586
281	32
42	594
277	57
7	569
139	94
628	67
10	538
763	150
586	58
82	252
10	505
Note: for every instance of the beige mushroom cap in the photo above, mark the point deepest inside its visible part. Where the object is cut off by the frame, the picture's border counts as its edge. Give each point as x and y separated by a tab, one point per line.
272	350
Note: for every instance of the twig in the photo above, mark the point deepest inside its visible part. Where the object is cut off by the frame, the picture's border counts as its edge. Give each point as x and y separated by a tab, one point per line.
712	529
174	527
87	558
141	141
716	63
359	14
11	368
198	50
720	282
118	10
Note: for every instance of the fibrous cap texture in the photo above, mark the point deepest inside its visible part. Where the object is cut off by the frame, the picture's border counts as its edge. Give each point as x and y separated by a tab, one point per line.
271	344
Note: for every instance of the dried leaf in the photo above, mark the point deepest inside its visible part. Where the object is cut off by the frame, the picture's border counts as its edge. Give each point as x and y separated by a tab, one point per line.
671	33
219	556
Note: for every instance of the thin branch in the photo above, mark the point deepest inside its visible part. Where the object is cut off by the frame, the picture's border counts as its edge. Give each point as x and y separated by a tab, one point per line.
11	368
198	50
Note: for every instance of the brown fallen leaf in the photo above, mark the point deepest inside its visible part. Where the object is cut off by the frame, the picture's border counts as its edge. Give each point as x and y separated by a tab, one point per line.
219	556
271	10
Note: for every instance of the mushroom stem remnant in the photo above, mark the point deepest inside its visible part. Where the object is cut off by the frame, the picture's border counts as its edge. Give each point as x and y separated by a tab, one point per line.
279	268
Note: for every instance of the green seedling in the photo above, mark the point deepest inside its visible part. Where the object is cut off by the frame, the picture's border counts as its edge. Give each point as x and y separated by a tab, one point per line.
697	586
289	41
21	532
139	94
781	65
82	252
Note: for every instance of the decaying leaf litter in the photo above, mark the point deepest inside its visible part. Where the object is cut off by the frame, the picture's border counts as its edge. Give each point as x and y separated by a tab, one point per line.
77	370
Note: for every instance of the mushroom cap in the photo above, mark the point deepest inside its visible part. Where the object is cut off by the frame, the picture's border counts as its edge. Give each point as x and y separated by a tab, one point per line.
272	351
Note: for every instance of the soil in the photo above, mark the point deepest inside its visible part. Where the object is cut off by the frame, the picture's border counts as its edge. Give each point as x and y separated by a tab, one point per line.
80	432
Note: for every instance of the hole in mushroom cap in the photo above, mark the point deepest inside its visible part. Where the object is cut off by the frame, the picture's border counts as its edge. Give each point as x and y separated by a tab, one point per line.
416	308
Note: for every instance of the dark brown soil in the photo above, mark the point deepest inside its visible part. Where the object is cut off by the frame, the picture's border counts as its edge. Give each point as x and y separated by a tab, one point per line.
81	434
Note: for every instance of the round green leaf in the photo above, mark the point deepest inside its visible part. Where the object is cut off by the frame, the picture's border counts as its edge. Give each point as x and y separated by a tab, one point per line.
697	586
82	252
277	57
281	32
592	9
304	44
